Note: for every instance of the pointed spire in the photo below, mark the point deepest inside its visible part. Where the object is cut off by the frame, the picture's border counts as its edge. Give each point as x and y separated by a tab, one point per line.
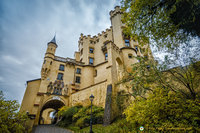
54	40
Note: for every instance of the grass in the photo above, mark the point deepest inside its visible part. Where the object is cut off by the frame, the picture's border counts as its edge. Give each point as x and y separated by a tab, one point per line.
99	128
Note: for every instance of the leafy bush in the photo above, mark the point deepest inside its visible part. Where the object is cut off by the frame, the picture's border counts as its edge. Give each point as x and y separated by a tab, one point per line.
10	119
164	109
66	114
80	116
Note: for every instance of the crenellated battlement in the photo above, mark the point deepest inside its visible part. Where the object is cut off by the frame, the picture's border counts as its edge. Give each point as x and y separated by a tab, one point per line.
115	12
94	38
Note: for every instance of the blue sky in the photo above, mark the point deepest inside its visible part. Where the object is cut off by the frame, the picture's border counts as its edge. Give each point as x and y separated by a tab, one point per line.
26	26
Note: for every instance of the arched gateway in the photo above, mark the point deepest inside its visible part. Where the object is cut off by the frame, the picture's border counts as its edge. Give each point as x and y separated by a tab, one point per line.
50	108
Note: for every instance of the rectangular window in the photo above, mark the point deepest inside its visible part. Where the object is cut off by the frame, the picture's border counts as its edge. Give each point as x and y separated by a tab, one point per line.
136	48
78	79
91	61
78	71
91	50
61	68
106	56
44	61
127	42
60	76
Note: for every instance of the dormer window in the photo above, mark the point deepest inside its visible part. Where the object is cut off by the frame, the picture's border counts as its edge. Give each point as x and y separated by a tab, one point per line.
127	42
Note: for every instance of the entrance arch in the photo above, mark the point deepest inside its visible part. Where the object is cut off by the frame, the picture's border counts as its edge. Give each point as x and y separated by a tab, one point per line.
51	106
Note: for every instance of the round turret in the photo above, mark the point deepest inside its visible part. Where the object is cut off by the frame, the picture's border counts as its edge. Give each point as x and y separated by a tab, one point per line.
49	58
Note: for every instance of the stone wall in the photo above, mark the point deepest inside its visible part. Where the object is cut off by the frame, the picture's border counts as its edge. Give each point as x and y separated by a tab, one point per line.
30	95
98	90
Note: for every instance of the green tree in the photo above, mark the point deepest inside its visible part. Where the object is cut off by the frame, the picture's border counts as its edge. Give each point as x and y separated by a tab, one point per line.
164	22
11	120
148	75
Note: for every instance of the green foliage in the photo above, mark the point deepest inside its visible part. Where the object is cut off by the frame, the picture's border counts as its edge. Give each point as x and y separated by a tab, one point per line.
67	114
164	108
10	119
80	116
122	99
119	126
148	75
165	22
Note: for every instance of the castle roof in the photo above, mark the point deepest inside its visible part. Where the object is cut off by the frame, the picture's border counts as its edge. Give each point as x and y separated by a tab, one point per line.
53	41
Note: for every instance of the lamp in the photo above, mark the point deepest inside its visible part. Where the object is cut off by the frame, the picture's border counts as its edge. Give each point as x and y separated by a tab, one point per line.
91	99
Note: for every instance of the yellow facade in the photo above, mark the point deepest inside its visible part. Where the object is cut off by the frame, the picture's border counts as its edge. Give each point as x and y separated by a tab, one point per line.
100	61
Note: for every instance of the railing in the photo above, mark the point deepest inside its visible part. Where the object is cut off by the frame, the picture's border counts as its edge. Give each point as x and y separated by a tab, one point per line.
67	60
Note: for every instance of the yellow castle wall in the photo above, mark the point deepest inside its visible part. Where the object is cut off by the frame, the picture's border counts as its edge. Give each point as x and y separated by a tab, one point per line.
29	96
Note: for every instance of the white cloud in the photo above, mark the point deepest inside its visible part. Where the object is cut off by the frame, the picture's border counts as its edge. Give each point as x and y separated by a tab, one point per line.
11	60
1	79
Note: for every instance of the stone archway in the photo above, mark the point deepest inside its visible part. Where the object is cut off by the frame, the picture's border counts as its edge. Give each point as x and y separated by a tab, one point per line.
119	67
53	104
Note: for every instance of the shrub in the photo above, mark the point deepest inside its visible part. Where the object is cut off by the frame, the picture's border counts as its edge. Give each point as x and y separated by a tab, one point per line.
10	119
83	116
80	116
164	109
66	114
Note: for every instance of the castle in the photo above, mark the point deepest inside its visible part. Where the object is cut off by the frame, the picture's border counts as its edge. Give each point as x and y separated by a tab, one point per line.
100	62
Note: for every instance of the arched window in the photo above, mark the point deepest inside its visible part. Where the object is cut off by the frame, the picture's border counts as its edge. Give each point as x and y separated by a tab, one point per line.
130	56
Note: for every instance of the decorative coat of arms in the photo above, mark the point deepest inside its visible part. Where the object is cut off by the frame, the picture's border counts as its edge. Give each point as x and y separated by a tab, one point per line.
57	88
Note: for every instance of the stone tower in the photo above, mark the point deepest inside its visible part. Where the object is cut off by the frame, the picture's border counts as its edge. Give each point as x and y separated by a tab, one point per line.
49	57
115	17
